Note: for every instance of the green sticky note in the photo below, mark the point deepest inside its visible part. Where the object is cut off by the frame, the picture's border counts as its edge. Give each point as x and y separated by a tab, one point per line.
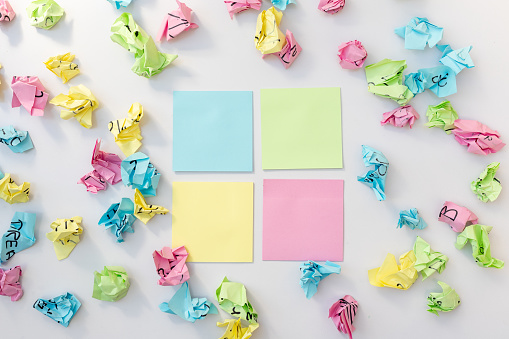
111	284
232	298
301	128
385	79
446	301
487	187
481	250
442	116
428	261
44	13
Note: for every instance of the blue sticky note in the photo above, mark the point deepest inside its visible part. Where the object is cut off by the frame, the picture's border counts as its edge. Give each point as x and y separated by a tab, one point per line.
138	172
412	219
312	273
213	131
120	3
375	178
457	59
419	32
19	236
190	309
281	4
441	80
17	141
61	309
119	218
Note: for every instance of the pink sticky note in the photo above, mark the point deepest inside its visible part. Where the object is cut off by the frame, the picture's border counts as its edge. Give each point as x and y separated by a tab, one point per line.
171	265
9	283
343	312
93	181
28	92
235	7
479	138
352	54
302	220
176	22
106	164
6	11
289	52
400	117
331	6
458	217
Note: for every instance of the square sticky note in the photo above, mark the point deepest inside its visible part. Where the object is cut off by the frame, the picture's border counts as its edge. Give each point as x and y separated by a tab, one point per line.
303	220
213	220
301	128
212	131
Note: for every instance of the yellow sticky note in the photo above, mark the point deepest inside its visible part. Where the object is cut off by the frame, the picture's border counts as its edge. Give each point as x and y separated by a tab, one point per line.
127	132
80	103
65	235
390	274
11	192
213	220
62	66
144	211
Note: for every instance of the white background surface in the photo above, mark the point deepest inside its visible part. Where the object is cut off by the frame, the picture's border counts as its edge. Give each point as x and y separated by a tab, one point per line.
427	168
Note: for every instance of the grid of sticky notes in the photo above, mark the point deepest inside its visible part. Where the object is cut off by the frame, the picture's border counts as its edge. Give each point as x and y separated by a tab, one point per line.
213	132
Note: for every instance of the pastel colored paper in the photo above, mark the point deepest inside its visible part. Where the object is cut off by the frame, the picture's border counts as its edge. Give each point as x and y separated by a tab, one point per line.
352	55
301	128
214	220
11	192
65	235
10	285
331	6
412	219
234	329
79	103
28	91
479	138
213	131
119	218
176	22
458	217
281	4
445	301
401	116
112	284
458	59
312	273
477	235
120	3
61	309
289	52
143	211
419	32
428	261
6	11
390	274
44	13
190	309
138	172
106	164
302	220
235	7
232	298
343	312
17	141
127	131
63	67
385	79
486	186
19	236
268	37
375	178
171	265
93	181
442	116
440	80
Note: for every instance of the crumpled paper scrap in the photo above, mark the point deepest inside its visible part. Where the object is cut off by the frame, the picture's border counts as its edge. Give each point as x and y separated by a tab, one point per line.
281	4
17	141
343	314
289	52
481	248
445	301
28	91
375	178
10	285
390	274
419	32
19	236
442	116
440	80
235	7
44	13
269	38
65	235
112	284
352	55
11	192
412	219
106	169
312	273
400	116
479	138
487	187
232	298
385	79
6	11
119	218
61	309
138	172
171	265
120	3
148	60
457	59
127	131
176	22
190	309
234	329
144	211
79	103
93	181
331	6
63	67
428	261
458	217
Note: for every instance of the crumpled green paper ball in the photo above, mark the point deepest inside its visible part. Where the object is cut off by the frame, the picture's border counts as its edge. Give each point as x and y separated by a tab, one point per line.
44	13
111	284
